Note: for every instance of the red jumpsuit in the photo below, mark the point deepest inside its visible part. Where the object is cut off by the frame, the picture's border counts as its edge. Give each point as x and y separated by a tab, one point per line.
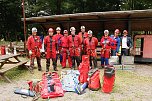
74	48
65	51
83	36
91	44
50	49
34	44
105	50
58	41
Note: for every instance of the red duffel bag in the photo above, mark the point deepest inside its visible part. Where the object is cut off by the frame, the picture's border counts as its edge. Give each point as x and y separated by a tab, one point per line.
94	79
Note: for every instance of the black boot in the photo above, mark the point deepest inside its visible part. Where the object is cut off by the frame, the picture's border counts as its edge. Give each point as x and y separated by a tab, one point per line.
39	63
54	64
55	69
47	65
47	69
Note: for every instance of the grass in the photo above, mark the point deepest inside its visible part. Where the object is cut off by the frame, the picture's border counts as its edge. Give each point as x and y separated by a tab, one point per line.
15	74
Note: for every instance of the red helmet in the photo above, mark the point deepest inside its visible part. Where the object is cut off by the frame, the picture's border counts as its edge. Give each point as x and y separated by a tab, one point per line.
65	32
125	31
50	30
117	31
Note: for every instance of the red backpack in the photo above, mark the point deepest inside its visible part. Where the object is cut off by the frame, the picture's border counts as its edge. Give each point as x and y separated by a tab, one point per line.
94	79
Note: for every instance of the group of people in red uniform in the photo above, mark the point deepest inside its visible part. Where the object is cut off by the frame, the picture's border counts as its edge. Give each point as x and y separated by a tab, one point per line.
71	47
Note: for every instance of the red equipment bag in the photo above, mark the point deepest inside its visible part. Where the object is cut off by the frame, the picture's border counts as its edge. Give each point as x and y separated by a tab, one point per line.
108	79
51	86
84	69
94	79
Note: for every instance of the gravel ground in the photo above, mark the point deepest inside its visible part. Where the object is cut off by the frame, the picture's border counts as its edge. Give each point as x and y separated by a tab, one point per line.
135	87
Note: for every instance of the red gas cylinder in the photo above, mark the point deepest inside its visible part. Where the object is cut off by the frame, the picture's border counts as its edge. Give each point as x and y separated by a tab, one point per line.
3	50
108	79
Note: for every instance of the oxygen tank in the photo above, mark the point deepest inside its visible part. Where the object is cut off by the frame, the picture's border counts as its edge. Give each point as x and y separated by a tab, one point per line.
6	49
24	92
15	52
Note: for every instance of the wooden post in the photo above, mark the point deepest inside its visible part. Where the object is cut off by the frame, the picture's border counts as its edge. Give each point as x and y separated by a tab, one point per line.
24	25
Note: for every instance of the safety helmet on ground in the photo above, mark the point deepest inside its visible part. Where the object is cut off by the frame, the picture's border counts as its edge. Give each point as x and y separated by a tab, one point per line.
82	27
34	29
50	30
90	32
125	31
65	31
106	31
72	29
117	31
58	29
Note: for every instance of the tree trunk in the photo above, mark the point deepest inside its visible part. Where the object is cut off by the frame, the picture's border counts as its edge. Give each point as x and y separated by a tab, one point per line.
58	7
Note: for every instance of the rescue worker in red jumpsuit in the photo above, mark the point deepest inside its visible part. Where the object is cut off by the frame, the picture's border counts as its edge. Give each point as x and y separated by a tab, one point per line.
58	37
91	44
50	50
83	35
105	43
34	47
74	48
65	49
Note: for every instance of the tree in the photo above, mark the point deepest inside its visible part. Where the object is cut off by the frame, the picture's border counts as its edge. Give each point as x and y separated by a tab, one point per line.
10	12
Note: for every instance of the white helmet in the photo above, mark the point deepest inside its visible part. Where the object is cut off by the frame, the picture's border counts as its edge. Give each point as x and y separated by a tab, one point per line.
106	31
90	32
72	28
82	27
58	29
34	29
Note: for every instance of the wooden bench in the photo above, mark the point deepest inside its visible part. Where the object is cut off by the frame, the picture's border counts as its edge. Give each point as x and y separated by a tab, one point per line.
13	61
4	70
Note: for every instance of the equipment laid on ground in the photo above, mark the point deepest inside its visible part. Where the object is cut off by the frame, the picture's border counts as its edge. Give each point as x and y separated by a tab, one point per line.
94	79
108	79
79	89
69	80
32	91
51	86
25	92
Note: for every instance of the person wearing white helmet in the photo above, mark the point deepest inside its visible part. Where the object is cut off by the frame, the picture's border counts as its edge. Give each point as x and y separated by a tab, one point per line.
58	37
91	44
34	45
105	43
50	50
74	48
83	35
